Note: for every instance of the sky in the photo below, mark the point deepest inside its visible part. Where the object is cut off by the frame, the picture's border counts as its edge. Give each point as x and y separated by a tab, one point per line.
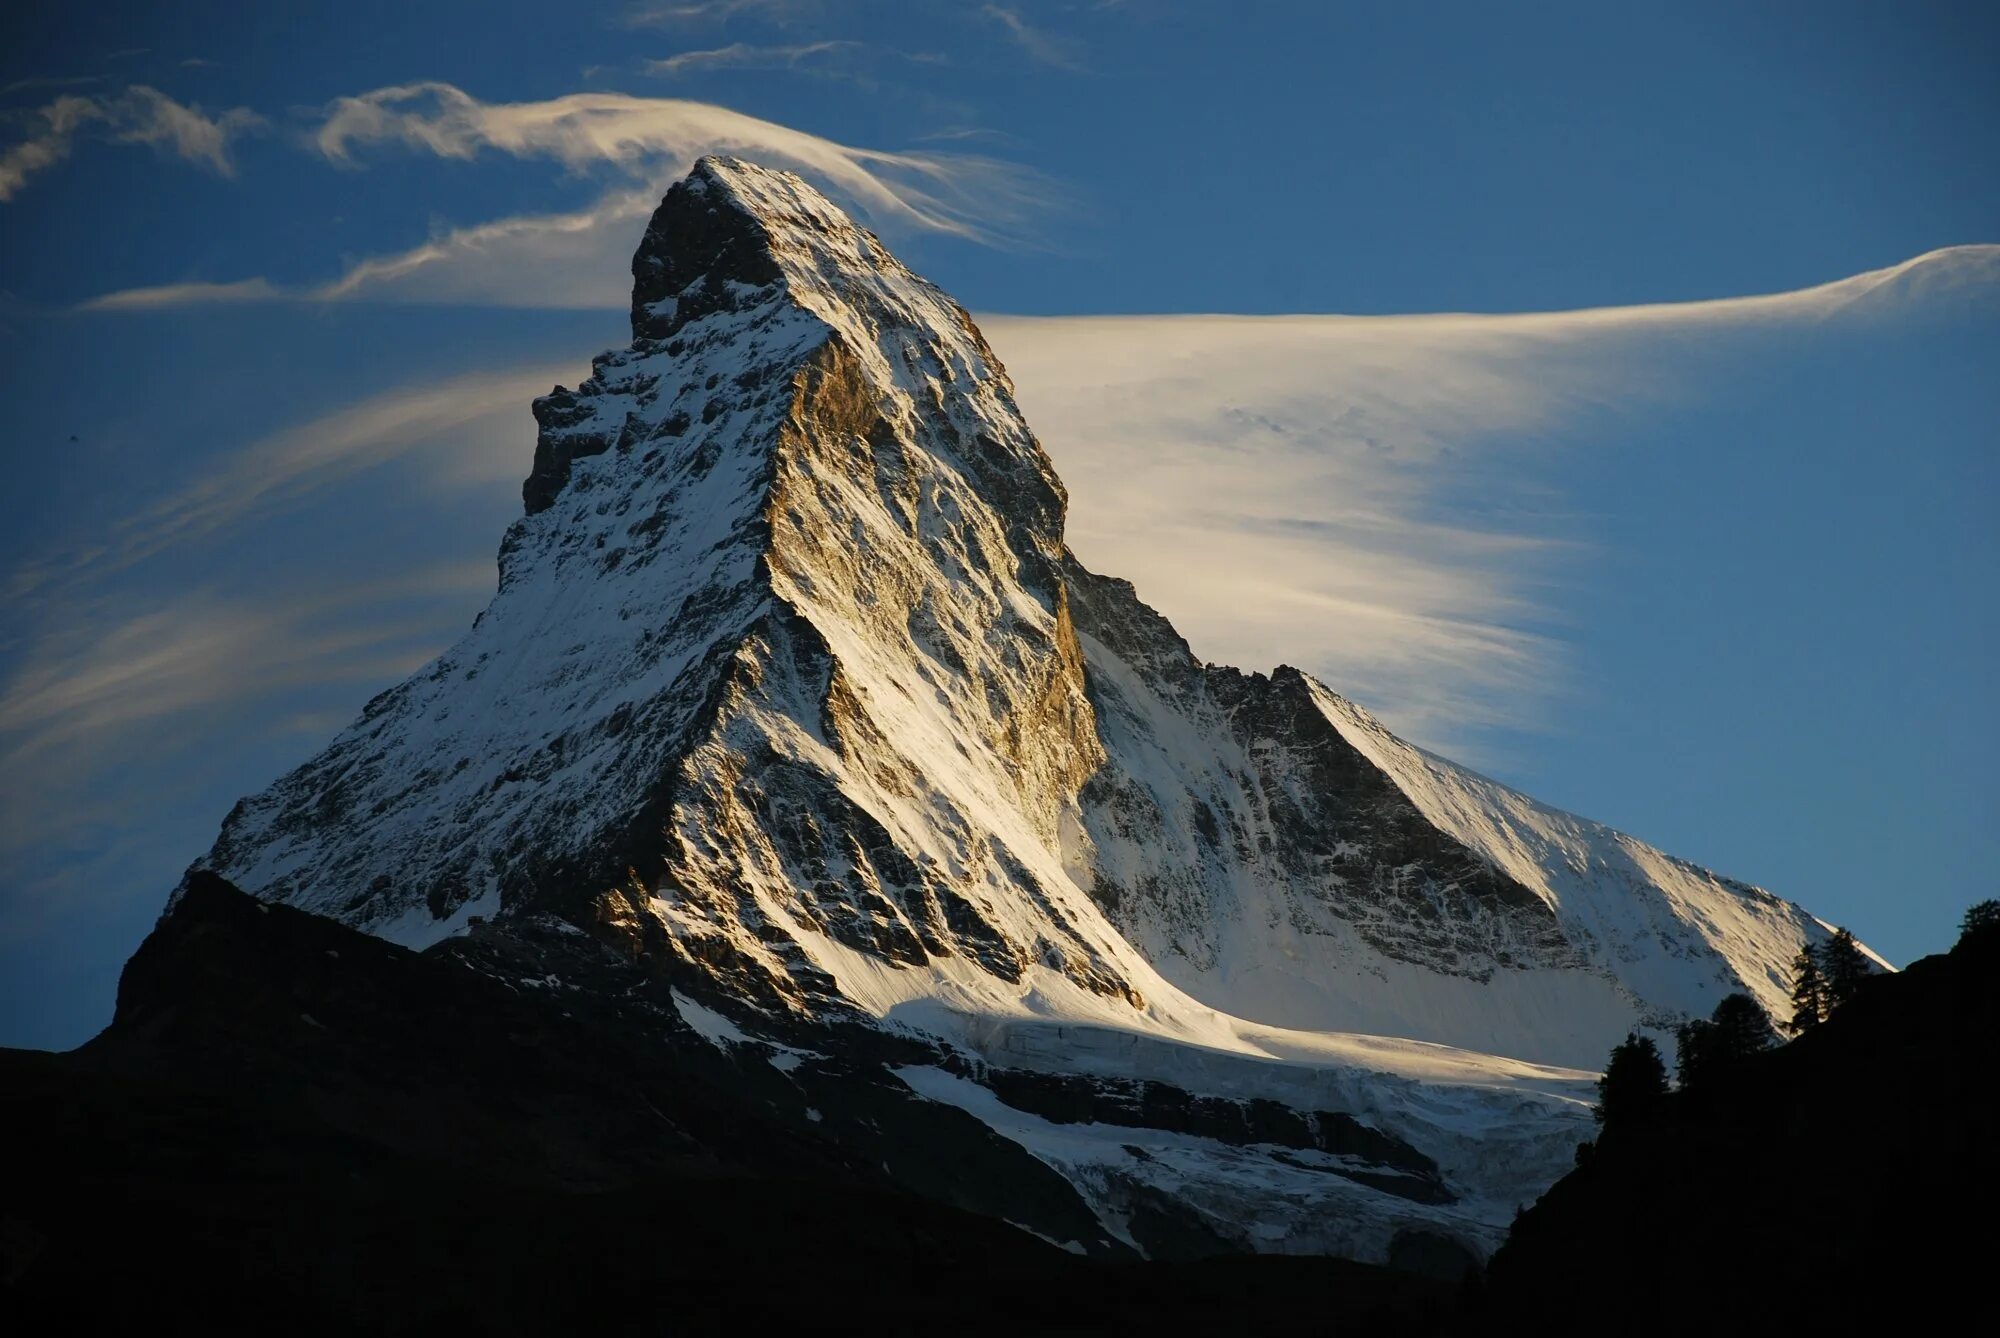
1605	395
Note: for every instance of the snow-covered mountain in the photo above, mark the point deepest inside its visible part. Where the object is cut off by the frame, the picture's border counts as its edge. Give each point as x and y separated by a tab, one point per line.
792	693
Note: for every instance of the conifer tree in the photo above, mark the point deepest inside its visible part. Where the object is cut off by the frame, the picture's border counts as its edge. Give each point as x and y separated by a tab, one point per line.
1808	992
1742	1028
1844	967
1634	1082
1982	918
1713	1048
1694	1053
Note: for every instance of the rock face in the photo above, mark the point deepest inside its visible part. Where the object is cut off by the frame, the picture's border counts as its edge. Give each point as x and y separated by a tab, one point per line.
793	697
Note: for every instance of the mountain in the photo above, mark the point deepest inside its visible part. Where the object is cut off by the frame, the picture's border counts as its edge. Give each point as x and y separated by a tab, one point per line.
793	698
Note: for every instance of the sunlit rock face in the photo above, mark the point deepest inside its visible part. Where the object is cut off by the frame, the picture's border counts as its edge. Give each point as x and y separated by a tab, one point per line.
792	694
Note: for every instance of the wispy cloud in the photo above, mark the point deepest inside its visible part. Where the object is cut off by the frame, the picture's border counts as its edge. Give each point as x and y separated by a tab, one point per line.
577	259
1042	46
1362	496
46	144
775	13
746	56
660	137
124	677
187	294
139	115
529	260
963	133
98	673
1275	486
859	63
464	413
117	684
54	81
149	116
1352	494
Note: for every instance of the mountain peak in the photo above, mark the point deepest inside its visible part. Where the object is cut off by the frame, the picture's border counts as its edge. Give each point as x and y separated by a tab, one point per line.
755	244
701	247
728	231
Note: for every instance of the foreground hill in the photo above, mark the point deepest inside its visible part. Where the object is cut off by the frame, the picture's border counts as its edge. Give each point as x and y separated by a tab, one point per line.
292	1127
1845	1178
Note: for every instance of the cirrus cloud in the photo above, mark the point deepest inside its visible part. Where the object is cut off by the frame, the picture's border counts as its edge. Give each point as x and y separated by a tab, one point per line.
459	415
745	56
578	258
139	115
658	138
1361	495
1290	488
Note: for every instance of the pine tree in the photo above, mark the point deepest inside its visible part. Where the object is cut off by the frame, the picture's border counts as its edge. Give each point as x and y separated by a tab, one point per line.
1808	992
1708	1050
1694	1054
1742	1028
1982	918
1844	967
1634	1082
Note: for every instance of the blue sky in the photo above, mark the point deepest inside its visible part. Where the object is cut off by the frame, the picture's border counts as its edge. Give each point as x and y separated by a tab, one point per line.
274	294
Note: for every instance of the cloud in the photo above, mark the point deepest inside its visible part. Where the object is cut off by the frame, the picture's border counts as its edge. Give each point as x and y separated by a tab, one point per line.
579	258
744	56
661	137
834	58
464	415
1045	48
139	115
187	294
776	13
117	685
1358	495
572	260
151	117
119	665
1366	497
54	81
569	261
98	674
46	146
1281	489
181	654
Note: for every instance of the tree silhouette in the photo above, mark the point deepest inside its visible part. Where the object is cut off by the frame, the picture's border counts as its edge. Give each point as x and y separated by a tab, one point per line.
1982	918
1742	1027
1736	1030
1844	966
1634	1083
1808	992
